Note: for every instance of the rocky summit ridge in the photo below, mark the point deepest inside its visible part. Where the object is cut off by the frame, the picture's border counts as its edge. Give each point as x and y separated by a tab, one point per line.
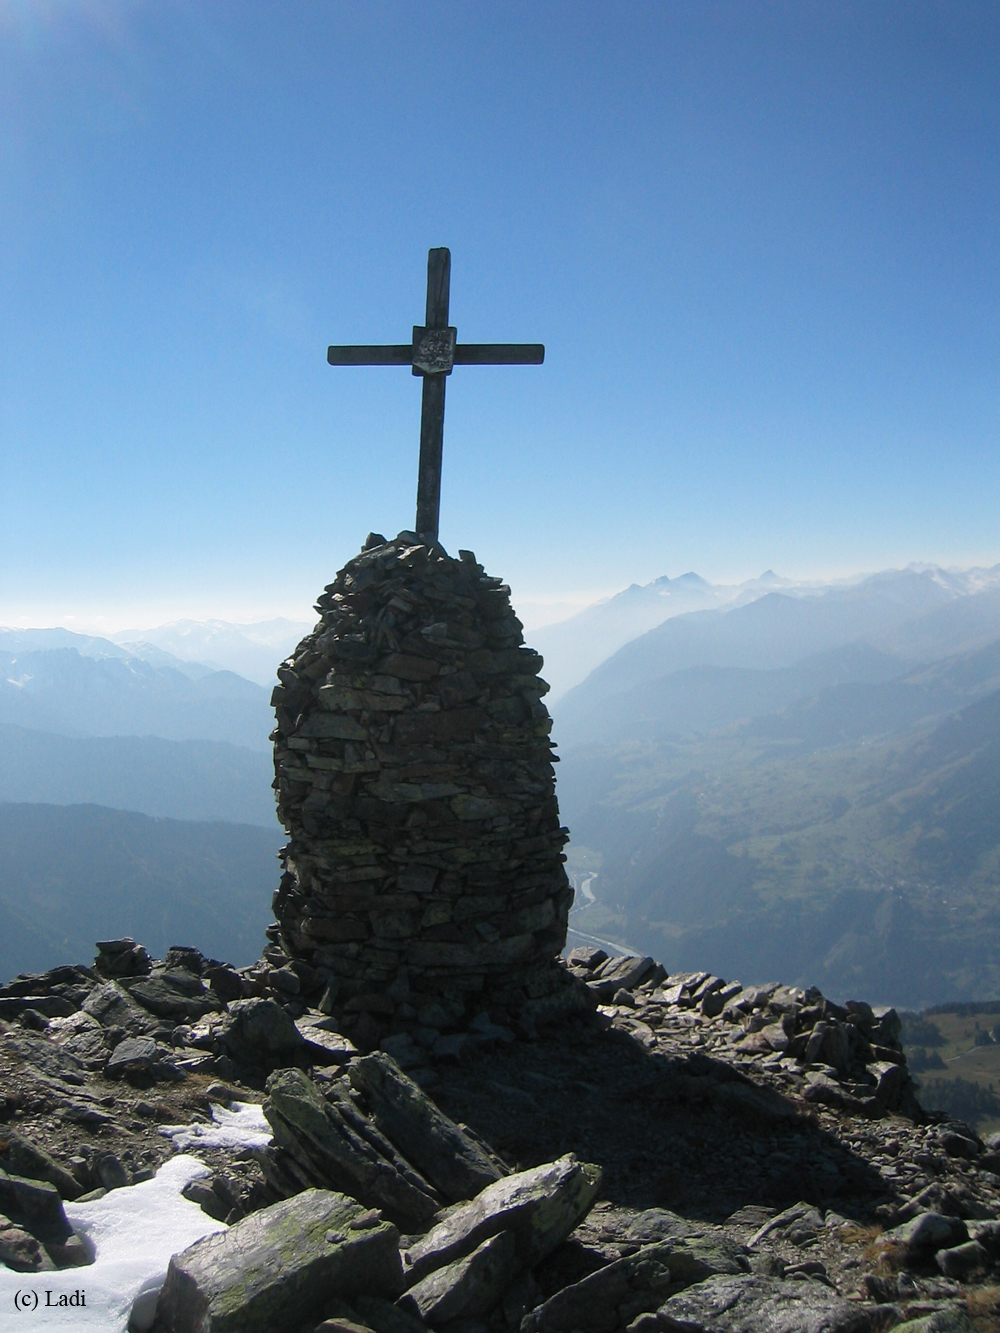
681	1154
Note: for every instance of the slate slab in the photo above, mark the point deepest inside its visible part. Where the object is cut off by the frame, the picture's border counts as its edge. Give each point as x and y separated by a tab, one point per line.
112	1006
276	1268
540	1207
467	1288
594	1305
755	1304
336	1146
134	1055
452	1161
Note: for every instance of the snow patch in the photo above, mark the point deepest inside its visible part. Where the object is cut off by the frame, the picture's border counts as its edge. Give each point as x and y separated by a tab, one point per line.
243	1126
133	1232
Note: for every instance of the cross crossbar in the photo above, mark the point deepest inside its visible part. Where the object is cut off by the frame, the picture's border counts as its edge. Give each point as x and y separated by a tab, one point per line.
431	355
466	354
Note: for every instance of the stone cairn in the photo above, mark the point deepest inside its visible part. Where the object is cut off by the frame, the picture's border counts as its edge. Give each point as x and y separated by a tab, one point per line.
414	778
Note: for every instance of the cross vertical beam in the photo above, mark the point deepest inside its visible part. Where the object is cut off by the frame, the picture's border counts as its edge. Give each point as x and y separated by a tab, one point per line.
432	400
432	354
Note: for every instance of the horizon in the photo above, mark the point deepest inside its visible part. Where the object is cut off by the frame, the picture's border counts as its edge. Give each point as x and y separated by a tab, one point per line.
117	624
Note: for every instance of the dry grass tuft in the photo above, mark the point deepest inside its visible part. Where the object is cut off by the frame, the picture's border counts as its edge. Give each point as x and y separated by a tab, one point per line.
855	1234
885	1257
984	1307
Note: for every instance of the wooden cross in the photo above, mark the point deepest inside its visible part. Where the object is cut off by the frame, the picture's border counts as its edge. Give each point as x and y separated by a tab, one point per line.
431	355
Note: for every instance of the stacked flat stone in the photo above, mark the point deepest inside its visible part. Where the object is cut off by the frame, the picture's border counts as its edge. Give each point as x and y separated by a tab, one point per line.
414	778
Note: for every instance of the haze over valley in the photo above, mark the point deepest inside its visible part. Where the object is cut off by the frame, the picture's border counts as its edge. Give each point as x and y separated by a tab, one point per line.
767	779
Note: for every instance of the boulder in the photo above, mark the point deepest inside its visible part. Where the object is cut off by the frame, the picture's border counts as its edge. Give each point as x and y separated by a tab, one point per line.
21	1157
384	1317
133	1056
174	993
540	1207
755	1304
83	1037
335	1146
602	1301
121	958
260	1033
20	1251
323	1045
46	1057
34	1202
962	1260
113	1007
277	1267
467	1288
924	1235
452	1161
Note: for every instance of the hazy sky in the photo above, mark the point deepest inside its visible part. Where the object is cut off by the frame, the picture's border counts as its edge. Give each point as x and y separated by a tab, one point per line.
759	241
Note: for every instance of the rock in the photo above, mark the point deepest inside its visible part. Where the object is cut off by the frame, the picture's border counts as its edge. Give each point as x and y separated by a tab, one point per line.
926	1234
593	1305
225	981
951	1320
34	1202
113	1007
958	1144
174	993
121	958
74	1252
586	956
20	1250
131	1057
86	1114
45	1056
323	1046
201	1193
693	1258
276	1268
453	1162
799	1223
962	1260
619	973
755	1304
383	1317
540	1207
656	1224
20	1157
341	1324
38	1006
467	1287
83	1037
887	1028
333	1143
111	1172
260	1033
285	979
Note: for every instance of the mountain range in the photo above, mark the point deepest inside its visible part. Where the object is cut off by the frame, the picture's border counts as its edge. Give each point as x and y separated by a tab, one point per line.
70	875
801	786
575	647
75	685
250	650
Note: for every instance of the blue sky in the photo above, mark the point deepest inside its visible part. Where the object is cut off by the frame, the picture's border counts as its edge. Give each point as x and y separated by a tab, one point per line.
757	239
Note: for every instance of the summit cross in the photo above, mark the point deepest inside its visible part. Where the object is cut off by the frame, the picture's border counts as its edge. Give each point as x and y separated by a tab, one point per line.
431	355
